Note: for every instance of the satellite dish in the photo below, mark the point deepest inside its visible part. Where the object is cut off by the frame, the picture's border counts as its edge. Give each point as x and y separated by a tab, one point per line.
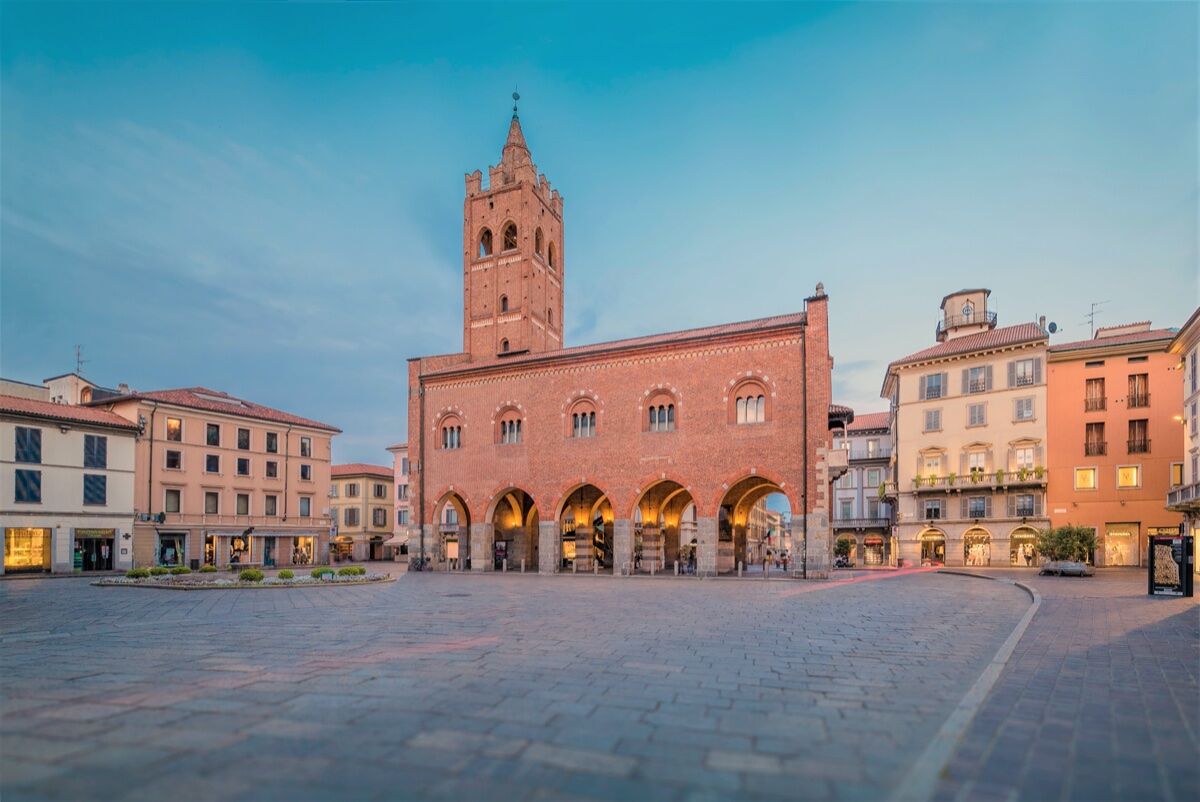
1053	327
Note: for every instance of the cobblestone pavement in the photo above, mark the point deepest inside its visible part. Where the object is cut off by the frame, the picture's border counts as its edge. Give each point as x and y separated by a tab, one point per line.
1099	701
487	687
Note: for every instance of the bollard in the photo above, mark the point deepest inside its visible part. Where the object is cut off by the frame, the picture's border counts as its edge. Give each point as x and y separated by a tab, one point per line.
574	566
741	565
522	565
677	568
596	568
505	564
651	567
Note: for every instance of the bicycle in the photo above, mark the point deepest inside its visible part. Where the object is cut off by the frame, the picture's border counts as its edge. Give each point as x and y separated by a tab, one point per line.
417	564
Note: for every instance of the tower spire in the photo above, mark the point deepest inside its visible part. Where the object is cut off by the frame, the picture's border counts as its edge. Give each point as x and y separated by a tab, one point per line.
516	97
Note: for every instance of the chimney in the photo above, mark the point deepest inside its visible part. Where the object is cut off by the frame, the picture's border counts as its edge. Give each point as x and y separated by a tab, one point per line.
1042	322
123	388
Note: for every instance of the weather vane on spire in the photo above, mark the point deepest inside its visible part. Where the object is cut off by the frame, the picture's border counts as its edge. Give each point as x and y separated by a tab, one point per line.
516	97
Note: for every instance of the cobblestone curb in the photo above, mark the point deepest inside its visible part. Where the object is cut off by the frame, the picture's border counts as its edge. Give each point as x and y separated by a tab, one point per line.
248	585
921	781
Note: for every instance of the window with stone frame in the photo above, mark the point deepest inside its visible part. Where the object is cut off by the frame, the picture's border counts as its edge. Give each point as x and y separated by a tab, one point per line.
510	428
583	419
750	403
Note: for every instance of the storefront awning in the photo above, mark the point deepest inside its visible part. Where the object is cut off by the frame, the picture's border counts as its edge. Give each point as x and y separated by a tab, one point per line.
396	540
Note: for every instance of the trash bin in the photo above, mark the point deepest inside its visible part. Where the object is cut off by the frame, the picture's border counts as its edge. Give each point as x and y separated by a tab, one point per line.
195	564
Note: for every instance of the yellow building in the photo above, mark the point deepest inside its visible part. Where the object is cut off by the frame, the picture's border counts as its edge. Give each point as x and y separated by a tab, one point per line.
360	501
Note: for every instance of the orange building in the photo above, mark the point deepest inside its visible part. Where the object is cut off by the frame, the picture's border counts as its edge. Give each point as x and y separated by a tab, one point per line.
1114	444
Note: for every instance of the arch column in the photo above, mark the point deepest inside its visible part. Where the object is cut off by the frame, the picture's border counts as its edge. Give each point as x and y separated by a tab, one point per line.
706	546
549	547
483	539
653	553
622	545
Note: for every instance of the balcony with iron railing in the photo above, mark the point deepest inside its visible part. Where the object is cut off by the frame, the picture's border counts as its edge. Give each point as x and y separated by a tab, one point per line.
1137	400
1139	445
1095	404
877	522
954	321
860	452
1095	448
245	521
978	480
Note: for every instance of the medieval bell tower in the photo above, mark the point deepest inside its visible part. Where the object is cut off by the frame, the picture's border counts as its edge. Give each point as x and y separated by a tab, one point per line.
512	257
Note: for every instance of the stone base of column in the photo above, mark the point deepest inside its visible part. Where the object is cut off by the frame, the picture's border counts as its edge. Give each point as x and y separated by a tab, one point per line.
622	547
706	547
482	543
549	547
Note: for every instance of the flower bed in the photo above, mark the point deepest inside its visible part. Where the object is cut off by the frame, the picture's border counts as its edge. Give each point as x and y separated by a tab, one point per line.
197	581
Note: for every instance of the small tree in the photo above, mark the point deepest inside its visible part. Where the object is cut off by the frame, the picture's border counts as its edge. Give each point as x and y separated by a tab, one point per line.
842	548
1067	543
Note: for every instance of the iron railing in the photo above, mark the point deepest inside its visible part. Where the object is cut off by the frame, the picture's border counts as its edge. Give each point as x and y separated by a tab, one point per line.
1095	448
1096	404
1140	445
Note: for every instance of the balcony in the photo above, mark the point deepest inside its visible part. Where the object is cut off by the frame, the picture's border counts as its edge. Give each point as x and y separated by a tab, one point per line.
1137	400
953	321
858	452
1095	404
1095	448
1139	446
1185	498
1031	477
878	522
837	462
246	521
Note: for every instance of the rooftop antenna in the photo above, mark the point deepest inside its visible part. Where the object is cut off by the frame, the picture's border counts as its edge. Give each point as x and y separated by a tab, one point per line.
1090	317
79	360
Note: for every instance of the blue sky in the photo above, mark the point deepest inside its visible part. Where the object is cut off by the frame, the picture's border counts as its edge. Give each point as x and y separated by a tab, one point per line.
267	198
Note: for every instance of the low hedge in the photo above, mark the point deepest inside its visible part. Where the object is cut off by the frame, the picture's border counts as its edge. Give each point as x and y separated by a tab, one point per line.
181	569
251	575
286	574
137	573
352	570
317	573
208	569
158	570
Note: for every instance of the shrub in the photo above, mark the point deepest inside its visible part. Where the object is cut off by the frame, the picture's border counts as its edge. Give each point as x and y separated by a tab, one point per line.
286	574
251	575
208	569
317	573
181	569
842	548
158	570
1067	543
137	573
352	570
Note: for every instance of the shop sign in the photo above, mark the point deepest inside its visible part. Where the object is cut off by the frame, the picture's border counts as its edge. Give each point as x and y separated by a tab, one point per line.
1170	568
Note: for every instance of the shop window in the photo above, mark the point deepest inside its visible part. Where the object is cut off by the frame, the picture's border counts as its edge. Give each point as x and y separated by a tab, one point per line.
95	451
171	500
243	439
239	549
95	489
175	430
170	549
212	434
28	445
27	487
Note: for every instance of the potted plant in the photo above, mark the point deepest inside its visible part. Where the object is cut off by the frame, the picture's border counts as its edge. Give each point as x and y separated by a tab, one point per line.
950	478
1039	472
1022	473
999	476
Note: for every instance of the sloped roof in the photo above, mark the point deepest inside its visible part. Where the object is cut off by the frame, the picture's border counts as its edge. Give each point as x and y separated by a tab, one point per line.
218	401
66	413
360	469
870	420
724	329
1165	335
983	341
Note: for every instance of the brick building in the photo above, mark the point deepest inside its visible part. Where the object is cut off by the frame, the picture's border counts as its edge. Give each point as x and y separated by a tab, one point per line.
598	457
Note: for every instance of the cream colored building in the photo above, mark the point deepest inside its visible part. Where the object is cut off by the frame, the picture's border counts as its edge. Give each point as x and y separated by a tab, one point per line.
401	509
969	440
66	485
1186	498
360	499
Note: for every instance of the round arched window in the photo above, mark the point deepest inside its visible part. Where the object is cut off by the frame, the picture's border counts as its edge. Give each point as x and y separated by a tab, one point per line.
485	243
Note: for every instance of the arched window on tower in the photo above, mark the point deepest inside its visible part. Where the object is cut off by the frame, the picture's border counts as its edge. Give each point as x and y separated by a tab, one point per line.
504	346
750	405
583	419
485	243
537	242
510	237
550	256
550	316
503	303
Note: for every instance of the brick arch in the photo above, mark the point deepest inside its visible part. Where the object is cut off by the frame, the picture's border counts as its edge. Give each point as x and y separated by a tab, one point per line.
445	412
733	478
570	486
501	411
498	495
517	235
648	481
656	395
441	497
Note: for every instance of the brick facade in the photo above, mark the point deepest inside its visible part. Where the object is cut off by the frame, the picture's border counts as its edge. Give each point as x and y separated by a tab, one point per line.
500	445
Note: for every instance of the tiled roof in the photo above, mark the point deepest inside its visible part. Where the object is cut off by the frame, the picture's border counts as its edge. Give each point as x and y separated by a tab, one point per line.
397	445
741	327
841	411
870	420
983	341
1153	335
64	412
218	401
360	469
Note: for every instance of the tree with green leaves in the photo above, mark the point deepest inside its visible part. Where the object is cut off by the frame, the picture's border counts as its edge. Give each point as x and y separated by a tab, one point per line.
1068	542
